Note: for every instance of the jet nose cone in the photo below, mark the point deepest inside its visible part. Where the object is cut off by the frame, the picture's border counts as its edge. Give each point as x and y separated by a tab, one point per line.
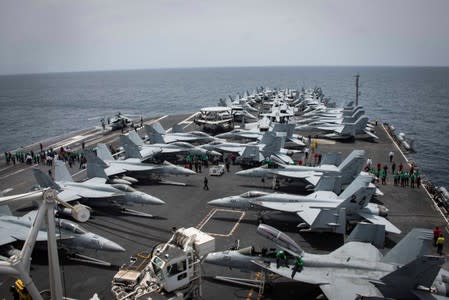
222	202
108	245
213	258
144	198
186	171
244	173
153	200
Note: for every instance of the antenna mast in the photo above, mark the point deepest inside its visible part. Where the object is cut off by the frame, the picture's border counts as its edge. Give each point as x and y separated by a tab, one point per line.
357	89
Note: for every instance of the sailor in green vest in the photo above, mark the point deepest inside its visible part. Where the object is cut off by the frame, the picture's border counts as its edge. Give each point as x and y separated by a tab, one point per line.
281	258
299	264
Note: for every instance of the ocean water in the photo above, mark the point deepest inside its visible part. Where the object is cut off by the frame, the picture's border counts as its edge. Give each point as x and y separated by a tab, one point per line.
414	99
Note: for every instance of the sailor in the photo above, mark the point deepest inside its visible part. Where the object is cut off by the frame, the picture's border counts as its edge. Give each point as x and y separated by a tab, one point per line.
396	178
383	176
205	187
306	153
281	258
299	264
436	233
412	180
390	155
440	244
418	179
227	164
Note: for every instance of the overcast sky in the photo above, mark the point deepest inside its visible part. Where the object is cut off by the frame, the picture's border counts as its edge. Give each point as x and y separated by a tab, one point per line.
51	36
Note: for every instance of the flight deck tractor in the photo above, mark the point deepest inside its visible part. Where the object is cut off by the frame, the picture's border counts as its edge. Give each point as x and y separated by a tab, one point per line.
170	270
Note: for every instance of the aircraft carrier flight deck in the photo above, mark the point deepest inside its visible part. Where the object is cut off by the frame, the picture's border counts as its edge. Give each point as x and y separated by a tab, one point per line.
186	206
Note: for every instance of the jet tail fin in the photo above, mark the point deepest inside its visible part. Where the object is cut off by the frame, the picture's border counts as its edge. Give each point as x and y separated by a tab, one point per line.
133	136
329	183
421	271
131	149
357	199
348	130
155	127
251	153
368	233
362	180
95	166
332	158
103	152
156	138
284	127
267	138
44	180
415	244
61	171
274	145
351	166
177	128
360	124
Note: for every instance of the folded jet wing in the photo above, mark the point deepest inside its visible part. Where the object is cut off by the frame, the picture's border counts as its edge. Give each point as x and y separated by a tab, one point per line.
389	227
307	211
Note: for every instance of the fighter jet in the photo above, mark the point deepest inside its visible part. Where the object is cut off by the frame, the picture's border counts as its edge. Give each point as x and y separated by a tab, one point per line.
94	191
270	146
135	148
348	170
291	140
70	235
241	108
321	210
243	258
341	131
131	166
157	134
359	271
332	118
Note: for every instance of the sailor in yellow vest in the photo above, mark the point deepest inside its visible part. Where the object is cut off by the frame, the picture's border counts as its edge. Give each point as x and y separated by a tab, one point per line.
440	244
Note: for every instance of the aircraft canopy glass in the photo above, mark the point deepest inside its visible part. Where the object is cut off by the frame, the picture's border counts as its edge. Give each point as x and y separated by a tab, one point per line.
71	227
252	194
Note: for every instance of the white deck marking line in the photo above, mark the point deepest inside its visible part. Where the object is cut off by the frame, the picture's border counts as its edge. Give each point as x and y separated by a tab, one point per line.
184	121
188	124
73	139
430	196
1	170
211	214
157	120
206	218
187	120
18	171
161	118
